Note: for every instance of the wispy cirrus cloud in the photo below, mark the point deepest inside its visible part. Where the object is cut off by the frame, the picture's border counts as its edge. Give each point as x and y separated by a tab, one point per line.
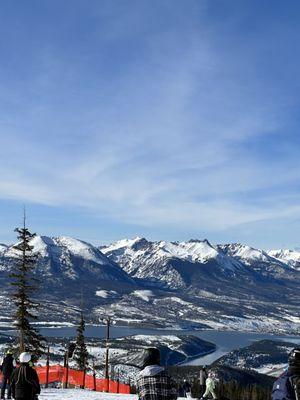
156	116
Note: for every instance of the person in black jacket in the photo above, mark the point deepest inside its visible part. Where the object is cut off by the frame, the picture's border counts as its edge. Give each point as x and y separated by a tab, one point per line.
153	383
287	385
186	388
25	383
7	368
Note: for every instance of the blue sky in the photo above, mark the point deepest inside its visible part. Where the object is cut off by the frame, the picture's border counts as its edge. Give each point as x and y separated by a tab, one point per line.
165	119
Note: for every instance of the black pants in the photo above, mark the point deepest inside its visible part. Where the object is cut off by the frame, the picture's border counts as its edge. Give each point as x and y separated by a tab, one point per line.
202	390
5	381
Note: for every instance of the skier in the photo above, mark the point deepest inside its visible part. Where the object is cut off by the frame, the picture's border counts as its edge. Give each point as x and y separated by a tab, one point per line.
202	379
153	383
287	386
24	381
7	367
210	386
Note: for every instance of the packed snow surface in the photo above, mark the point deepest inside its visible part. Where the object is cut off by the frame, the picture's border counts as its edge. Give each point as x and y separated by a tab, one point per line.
80	394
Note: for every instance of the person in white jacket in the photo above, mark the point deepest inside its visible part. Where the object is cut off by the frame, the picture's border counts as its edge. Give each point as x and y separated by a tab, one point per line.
210	387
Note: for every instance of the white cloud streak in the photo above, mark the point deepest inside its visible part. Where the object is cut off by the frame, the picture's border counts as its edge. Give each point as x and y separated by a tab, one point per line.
165	146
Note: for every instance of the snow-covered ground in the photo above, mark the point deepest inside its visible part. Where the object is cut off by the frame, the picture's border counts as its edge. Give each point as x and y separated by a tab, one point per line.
271	369
66	394
71	394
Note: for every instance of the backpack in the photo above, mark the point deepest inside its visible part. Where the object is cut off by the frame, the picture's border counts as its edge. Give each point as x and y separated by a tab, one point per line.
283	388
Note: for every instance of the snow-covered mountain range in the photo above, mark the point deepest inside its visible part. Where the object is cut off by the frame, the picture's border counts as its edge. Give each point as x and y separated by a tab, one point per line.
175	284
290	257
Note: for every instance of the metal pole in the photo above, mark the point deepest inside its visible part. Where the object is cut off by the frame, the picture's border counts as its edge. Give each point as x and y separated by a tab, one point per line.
47	367
84	373
107	354
94	376
65	385
118	382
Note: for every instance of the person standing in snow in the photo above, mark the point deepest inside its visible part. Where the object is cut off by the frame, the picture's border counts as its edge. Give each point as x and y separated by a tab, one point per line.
24	381
287	385
210	387
202	379
7	367
153	383
187	388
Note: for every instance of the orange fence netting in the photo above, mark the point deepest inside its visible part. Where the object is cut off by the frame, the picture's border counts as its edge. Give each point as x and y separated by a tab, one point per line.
57	373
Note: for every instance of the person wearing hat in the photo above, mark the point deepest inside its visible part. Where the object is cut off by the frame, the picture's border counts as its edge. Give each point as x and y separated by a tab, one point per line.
287	385
7	367
153	383
24	381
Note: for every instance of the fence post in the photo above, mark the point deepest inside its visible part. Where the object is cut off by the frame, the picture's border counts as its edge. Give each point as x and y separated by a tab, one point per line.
66	368
94	376
47	367
84	373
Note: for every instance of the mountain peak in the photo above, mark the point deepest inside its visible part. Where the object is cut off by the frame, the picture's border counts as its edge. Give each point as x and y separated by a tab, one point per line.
3	247
244	252
290	257
125	243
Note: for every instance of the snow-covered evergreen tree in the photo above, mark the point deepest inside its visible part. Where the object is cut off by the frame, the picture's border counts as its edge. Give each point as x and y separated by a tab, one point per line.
25	285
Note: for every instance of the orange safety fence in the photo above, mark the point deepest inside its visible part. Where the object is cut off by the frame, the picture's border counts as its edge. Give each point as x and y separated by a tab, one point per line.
57	373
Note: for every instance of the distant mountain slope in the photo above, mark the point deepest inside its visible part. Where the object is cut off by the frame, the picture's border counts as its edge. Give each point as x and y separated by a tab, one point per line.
262	356
289	257
66	260
68	270
162	284
196	264
236	283
226	374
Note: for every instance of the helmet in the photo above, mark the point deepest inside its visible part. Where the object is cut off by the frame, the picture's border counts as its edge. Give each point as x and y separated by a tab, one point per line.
294	357
25	357
151	357
9	352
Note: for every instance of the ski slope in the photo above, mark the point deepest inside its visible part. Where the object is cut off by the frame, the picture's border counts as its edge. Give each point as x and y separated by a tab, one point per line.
79	394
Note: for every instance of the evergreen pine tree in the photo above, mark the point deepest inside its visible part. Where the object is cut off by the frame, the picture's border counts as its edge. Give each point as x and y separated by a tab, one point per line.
81	354
25	285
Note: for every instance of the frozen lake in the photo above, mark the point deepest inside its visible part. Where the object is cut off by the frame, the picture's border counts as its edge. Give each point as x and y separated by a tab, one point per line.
224	340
